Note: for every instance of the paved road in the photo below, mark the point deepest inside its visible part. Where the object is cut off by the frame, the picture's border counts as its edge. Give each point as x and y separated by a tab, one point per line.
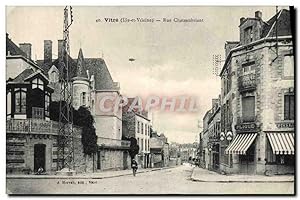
167	181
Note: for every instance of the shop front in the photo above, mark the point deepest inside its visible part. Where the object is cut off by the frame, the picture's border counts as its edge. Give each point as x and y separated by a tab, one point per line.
243	148
280	153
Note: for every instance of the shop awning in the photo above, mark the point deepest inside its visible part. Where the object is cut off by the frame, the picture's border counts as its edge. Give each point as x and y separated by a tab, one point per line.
282	143
241	143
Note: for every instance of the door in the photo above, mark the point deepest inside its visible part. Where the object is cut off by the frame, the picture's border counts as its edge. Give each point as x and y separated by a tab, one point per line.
39	156
247	161
125	159
99	160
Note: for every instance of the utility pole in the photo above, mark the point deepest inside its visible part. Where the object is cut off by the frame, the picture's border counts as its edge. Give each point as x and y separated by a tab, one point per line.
65	149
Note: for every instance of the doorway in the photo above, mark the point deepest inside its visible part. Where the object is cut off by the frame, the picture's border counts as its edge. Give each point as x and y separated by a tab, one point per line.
125	159
247	162
39	156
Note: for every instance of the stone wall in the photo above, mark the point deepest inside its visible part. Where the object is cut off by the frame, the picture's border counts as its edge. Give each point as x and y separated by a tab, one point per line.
20	152
111	159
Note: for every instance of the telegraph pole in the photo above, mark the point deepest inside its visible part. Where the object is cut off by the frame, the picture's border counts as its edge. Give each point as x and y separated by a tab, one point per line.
65	149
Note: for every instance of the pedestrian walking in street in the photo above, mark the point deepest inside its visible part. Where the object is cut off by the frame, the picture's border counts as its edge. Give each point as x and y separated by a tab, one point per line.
134	166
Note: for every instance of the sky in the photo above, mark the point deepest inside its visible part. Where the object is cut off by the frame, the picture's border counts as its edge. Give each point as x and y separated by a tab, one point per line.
171	59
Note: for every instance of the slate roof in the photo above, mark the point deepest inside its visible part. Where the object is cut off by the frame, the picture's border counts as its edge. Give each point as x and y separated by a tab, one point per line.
283	27
81	69
12	48
102	76
95	66
23	75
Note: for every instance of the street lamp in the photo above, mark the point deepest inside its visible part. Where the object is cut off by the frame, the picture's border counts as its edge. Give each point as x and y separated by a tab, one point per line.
228	136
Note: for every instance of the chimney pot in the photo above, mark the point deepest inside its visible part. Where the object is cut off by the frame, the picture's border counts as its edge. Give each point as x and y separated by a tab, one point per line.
61	49
258	14
242	20
26	48
47	52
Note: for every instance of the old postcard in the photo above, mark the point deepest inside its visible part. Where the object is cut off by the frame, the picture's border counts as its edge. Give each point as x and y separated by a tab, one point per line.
170	100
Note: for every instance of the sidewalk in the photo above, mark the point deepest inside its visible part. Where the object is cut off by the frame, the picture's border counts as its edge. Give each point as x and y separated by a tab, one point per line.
95	175
204	175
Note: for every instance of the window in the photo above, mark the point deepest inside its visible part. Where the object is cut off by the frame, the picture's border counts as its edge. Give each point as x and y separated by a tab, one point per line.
38	83
47	103
8	103
248	108
138	127
250	155
20	101
249	37
98	160
270	157
288	65
37	113
142	125
53	76
289	106
93	104
83	99
248	67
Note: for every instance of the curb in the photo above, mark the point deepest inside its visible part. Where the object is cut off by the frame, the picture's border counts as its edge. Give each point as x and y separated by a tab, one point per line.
81	177
230	181
237	181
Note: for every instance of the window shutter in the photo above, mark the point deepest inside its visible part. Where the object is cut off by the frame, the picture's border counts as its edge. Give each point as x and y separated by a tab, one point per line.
248	108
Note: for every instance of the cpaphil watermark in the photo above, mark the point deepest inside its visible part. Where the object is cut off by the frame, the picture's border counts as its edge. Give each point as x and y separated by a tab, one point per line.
170	104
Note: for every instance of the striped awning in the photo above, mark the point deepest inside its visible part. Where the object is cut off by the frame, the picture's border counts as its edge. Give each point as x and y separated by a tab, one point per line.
282	143
241	143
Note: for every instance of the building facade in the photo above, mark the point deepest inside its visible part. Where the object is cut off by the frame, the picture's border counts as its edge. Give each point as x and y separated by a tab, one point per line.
204	139
159	150
92	85
257	98
214	130
137	125
31	137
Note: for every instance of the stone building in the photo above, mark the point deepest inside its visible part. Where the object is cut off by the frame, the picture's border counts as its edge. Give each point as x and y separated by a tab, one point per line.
31	137
91	84
214	129
209	137
159	149
257	99
136	124
204	137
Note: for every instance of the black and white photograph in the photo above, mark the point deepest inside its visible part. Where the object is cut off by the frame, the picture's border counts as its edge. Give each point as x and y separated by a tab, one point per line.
150	100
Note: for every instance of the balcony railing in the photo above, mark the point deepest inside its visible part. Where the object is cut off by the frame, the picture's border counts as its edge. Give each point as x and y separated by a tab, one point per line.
108	142
247	82
35	126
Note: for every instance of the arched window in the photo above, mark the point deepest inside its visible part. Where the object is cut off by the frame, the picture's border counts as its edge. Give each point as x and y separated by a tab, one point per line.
53	76
20	101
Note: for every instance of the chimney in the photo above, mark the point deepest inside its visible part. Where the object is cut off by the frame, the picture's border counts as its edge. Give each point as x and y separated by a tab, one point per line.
258	14
26	48
242	19
61	47
47	52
